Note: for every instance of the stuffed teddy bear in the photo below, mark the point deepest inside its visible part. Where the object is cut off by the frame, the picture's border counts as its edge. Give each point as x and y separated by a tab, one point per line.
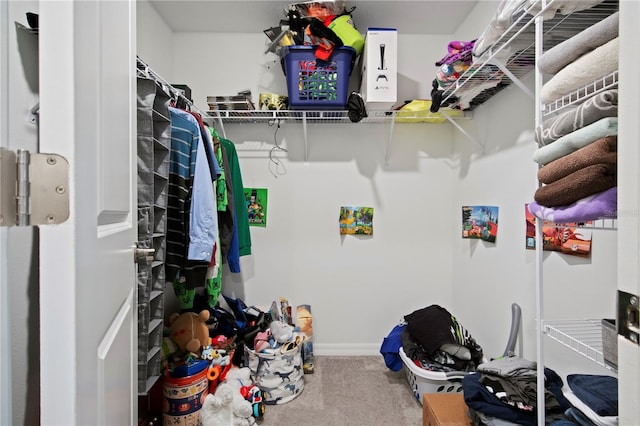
189	330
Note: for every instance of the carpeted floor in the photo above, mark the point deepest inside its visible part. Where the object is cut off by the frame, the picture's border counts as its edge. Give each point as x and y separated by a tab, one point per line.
349	391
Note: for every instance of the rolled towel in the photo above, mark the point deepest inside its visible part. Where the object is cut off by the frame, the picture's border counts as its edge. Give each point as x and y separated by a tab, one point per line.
561	55
602	151
582	183
576	140
604	104
587	69
597	206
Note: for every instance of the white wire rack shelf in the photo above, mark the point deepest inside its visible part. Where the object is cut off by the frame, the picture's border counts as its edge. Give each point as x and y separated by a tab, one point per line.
602	224
329	117
389	117
512	55
605	224
582	336
605	83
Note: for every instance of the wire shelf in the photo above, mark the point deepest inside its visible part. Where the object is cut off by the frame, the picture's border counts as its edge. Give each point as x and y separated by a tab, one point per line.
331	117
512	56
582	336
605	83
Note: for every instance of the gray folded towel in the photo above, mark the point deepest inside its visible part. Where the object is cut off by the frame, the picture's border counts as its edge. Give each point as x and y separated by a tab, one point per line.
561	55
604	104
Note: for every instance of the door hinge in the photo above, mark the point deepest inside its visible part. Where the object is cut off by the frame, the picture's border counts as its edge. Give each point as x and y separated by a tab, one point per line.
34	188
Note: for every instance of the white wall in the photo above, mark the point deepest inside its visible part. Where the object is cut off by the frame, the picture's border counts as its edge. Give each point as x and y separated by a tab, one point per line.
154	39
360	287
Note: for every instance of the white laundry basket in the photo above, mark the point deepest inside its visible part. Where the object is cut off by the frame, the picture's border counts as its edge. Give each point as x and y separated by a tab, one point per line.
423	381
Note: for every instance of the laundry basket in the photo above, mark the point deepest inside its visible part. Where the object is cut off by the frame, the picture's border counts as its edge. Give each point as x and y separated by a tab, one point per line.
424	381
316	84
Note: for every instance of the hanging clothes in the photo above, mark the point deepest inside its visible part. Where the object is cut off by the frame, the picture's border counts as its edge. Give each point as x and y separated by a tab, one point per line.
191	218
241	239
226	210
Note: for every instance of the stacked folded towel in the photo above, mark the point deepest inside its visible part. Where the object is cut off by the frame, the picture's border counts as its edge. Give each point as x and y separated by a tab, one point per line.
602	151
575	140
561	55
602	105
587	181
577	149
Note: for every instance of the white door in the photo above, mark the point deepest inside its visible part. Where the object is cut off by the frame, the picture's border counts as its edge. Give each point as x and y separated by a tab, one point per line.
87	277
629	207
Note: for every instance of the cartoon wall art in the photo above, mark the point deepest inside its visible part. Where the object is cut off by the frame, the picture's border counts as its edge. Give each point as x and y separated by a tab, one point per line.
356	220
256	206
480	222
567	238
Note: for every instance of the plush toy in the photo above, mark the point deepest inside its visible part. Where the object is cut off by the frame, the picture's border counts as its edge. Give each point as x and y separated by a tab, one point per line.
247	405
226	407
189	330
217	408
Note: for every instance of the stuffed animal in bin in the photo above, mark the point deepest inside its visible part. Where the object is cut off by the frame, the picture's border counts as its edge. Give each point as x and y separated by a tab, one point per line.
240	378
245	405
217	408
189	330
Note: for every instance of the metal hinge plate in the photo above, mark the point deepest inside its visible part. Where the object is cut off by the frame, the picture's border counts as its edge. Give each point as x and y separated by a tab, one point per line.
34	188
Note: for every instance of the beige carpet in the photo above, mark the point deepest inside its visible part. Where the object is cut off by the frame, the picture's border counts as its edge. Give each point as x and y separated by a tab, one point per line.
349	391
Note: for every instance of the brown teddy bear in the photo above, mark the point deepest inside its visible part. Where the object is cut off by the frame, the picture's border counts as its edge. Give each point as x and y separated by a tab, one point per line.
189	330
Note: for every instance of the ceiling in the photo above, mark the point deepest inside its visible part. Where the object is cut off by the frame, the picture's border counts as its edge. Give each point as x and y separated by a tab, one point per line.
254	16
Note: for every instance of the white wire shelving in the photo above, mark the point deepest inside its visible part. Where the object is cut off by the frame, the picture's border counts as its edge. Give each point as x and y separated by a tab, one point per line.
605	83
583	336
512	56
388	117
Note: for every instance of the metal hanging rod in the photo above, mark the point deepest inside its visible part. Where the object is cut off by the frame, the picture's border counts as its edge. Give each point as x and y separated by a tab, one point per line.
146	70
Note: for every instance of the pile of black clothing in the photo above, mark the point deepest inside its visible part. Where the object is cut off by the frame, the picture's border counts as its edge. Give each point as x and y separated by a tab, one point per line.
505	391
436	341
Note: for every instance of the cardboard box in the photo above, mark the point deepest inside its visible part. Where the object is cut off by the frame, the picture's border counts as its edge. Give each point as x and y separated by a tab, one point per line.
445	409
379	86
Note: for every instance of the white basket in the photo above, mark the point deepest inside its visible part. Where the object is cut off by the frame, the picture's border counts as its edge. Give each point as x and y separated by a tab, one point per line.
423	381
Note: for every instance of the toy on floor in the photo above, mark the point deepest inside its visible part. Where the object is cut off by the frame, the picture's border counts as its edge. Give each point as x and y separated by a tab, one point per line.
189	331
235	401
217	408
240	378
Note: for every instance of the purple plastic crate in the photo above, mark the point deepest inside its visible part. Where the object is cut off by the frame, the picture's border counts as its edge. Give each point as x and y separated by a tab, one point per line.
316	84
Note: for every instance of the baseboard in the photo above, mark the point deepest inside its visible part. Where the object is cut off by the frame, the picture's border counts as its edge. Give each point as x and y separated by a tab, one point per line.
346	349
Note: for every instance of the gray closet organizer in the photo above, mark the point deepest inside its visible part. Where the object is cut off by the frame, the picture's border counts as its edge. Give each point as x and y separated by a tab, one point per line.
153	141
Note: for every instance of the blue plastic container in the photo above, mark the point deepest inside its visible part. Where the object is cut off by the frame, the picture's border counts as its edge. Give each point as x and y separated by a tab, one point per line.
315	84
